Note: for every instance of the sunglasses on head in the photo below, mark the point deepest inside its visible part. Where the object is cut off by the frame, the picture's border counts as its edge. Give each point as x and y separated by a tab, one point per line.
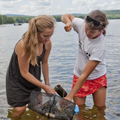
95	22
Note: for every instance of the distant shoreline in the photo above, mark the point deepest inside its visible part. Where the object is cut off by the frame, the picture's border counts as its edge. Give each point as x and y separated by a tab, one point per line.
14	18
57	21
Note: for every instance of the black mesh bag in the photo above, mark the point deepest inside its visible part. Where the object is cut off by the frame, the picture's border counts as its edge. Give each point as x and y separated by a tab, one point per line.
51	106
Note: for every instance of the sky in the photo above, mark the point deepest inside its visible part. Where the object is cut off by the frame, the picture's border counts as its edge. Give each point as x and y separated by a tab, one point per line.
55	7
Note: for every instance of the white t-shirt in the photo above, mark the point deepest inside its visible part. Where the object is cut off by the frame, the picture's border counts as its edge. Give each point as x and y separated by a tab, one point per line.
89	49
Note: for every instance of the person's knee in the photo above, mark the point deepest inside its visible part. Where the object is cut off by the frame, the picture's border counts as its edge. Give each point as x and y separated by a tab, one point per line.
79	100
100	104
101	109
20	110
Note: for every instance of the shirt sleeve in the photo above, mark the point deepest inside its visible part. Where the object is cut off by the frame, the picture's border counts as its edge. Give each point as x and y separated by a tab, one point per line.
77	23
98	55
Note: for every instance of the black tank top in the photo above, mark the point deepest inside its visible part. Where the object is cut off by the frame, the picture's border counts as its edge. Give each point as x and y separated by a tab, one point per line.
14	77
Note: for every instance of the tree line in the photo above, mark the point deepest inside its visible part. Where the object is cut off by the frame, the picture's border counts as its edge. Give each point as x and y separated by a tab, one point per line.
19	19
6	20
25	19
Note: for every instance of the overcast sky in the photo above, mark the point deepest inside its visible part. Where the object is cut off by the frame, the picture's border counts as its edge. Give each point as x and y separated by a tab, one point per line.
55	7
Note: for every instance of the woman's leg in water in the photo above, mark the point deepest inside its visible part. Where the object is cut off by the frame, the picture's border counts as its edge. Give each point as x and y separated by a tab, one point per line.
17	112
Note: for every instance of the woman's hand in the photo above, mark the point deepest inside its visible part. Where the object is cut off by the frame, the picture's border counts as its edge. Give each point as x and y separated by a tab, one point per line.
67	19
48	89
68	98
68	26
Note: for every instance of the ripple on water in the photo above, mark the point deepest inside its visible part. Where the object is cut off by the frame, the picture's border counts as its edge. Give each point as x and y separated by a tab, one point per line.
61	62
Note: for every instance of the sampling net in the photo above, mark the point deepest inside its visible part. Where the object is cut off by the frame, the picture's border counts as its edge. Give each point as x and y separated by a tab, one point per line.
51	105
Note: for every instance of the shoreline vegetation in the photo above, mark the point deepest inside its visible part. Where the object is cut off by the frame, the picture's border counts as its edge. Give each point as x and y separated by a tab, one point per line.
12	18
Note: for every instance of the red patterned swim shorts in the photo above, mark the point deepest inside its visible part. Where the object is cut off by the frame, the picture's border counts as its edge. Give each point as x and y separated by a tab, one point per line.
90	86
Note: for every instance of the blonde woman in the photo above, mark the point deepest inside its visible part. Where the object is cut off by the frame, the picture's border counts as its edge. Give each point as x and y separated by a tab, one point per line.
30	55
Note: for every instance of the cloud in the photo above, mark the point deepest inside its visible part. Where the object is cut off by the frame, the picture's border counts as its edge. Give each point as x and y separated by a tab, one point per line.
59	7
89	5
7	4
8	0
70	9
55	7
39	4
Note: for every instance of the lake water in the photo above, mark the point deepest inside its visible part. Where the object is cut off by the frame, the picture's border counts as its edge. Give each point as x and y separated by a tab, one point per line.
61	63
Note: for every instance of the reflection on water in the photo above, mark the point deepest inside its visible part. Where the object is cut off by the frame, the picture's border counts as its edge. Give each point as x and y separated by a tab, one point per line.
86	113
61	63
28	115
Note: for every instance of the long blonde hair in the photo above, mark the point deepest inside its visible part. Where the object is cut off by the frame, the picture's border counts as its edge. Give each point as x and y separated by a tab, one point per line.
30	38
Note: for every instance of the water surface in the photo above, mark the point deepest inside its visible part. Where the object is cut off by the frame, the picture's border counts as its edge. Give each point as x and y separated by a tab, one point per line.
61	63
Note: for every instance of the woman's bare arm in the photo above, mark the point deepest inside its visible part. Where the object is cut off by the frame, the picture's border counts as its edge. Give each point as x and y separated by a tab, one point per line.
86	72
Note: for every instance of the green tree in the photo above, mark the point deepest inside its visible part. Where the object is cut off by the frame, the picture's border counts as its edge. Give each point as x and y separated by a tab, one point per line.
10	20
6	20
